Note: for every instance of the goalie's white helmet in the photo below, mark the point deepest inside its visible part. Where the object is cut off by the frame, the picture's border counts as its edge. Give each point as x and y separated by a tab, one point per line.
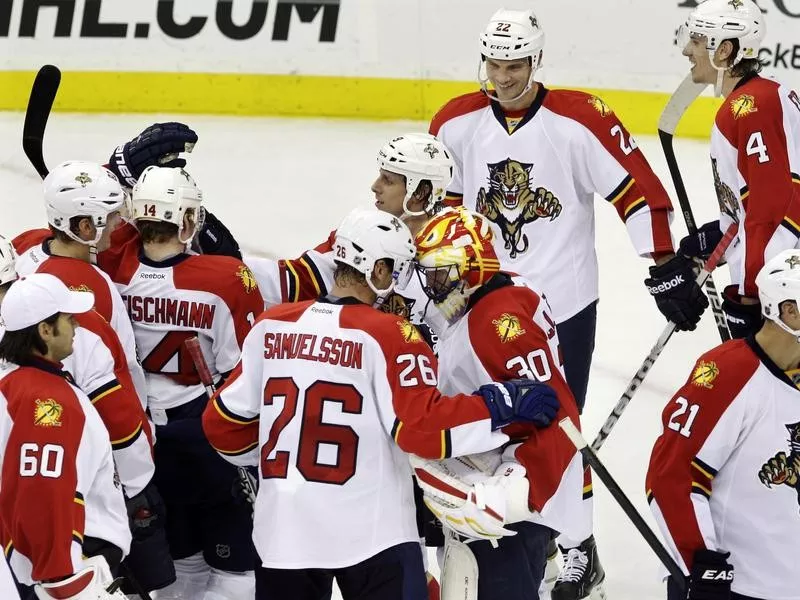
418	156
511	35
81	189
166	194
8	258
779	281
367	236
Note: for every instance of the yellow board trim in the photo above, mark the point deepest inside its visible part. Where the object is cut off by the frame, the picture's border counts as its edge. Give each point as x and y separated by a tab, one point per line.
305	96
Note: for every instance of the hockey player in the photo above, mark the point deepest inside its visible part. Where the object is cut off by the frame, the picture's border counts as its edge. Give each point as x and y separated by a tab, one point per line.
60	499
502	329
531	160
322	388
82	201
173	295
723	476
755	150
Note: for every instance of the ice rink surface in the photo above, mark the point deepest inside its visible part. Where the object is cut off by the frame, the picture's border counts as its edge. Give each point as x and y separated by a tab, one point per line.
281	185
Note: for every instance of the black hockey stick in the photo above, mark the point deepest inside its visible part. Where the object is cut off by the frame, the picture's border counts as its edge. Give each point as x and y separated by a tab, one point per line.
193	346
655	352
680	100
627	507
43	94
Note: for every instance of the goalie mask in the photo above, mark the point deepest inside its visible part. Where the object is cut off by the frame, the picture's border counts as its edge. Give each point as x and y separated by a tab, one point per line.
720	20
778	281
367	236
419	157
167	194
81	189
511	35
455	257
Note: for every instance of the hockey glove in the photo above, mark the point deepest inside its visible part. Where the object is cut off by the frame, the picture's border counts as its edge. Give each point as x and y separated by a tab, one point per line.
159	145
149	559
245	487
215	238
701	244
520	400
743	319
711	576
676	293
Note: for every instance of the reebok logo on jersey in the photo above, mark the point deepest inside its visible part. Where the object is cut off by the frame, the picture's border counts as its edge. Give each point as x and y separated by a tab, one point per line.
152	276
666	285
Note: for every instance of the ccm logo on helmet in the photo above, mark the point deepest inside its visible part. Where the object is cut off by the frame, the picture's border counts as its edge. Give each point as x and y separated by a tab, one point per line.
667	285
499	47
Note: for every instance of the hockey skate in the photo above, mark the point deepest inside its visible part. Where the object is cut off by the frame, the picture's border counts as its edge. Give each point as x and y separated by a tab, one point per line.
581	576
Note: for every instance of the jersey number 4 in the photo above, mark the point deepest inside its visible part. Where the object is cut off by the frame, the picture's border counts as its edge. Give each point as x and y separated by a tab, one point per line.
339	443
173	345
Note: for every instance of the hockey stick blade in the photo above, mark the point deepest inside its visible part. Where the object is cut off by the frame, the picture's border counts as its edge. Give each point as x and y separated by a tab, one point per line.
624	502
658	347
681	99
40	103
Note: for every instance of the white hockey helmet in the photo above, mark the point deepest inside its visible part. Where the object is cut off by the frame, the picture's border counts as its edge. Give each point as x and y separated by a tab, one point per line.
8	258
418	156
366	236
720	20
166	194
511	35
779	281
81	189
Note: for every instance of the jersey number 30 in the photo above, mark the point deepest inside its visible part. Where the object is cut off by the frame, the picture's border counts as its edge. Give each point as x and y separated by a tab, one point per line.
315	436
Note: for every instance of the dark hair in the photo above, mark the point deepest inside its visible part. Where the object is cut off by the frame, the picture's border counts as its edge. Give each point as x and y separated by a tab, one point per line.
156	231
348	275
74	223
18	346
746	66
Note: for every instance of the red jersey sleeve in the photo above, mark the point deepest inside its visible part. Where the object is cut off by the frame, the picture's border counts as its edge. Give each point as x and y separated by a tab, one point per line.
303	278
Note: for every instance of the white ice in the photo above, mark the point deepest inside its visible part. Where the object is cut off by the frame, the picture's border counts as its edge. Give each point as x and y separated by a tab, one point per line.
281	185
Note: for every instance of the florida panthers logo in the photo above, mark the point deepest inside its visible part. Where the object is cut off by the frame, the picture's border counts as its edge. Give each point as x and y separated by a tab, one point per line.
727	200
783	468
511	202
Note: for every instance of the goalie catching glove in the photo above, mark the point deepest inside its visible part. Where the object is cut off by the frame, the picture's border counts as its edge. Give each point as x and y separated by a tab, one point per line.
93	582
475	496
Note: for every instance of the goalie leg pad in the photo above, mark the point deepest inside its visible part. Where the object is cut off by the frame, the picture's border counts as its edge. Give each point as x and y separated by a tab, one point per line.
459	579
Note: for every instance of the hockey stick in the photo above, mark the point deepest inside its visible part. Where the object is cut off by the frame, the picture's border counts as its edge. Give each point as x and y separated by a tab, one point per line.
638	378
193	346
680	100
627	507
43	94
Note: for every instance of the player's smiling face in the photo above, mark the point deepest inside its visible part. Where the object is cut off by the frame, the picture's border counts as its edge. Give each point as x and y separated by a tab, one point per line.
509	77
697	53
390	191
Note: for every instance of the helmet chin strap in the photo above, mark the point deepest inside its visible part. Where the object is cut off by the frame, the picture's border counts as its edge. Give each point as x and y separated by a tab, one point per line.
408	213
793	332
720	72
484	81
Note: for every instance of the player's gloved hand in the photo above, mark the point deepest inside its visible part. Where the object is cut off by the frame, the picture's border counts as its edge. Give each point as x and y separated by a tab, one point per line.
94	580
677	295
245	487
159	145
215	238
520	400
711	576
701	244
146	512
743	319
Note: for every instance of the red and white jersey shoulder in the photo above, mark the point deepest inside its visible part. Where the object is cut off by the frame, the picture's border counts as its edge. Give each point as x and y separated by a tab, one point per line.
755	156
311	276
215	298
723	474
535	175
98	367
325	400
58	479
509	333
34	257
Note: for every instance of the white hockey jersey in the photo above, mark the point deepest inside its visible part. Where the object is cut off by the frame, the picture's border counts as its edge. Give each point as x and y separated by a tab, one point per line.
755	157
508	333
34	257
8	589
536	182
58	479
723	474
322	390
213	298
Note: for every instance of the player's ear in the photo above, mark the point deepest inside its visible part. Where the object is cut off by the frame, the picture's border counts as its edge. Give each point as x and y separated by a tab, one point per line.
86	229
724	54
